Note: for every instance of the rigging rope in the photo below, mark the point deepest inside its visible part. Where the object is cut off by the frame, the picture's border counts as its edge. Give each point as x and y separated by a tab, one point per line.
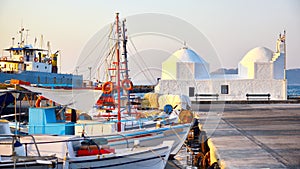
142	60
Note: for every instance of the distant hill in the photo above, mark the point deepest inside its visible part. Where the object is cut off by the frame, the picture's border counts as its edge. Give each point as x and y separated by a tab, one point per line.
225	71
292	75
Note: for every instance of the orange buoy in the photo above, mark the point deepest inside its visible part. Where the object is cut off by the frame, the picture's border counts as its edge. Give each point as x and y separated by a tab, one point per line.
107	87
38	101
127	84
21	59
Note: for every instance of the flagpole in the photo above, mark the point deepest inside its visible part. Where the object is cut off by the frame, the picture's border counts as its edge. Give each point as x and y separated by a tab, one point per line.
284	48
284	66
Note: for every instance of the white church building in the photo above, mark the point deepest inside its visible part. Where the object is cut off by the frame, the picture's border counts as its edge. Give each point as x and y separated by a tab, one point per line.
261	72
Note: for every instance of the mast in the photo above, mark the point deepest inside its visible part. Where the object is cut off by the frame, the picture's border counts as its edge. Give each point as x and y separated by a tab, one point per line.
21	36
118	73
126	64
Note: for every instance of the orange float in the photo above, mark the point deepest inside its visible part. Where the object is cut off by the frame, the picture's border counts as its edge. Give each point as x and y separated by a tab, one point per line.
21	59
127	84
107	87
38	101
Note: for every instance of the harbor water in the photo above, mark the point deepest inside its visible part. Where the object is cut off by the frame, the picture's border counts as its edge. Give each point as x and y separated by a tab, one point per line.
293	90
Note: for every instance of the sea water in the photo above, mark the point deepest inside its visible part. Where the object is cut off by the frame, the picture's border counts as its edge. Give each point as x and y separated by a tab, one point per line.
293	90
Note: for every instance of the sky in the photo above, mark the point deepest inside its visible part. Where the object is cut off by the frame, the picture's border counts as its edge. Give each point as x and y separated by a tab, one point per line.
232	27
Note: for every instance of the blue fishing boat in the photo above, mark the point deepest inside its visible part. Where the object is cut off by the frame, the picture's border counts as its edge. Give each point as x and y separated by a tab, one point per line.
35	65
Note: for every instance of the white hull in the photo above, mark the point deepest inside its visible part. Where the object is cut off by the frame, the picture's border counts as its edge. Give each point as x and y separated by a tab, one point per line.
137	124
152	137
66	149
155	158
19	160
32	164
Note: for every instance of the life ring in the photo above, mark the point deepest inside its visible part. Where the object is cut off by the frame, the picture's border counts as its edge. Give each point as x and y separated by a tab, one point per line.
21	59
49	62
107	87
127	84
35	59
38	101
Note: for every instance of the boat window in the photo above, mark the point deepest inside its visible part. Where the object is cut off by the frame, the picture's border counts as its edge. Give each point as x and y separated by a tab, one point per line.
2	130
76	145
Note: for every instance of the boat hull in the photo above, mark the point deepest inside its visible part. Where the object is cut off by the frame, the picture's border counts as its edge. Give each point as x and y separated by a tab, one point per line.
152	137
25	163
40	78
155	158
66	149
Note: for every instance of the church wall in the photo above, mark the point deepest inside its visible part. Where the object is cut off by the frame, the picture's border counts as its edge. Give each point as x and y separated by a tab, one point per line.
263	70
279	66
237	89
247	71
243	71
169	70
185	70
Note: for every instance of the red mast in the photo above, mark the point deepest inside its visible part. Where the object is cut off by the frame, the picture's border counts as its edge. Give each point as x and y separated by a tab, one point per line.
118	84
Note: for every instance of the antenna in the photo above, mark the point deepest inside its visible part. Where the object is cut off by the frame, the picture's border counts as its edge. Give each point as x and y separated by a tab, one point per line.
184	45
90	70
42	39
26	41
13	41
49	49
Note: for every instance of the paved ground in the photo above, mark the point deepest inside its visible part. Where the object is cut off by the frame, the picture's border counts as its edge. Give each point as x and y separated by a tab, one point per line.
254	135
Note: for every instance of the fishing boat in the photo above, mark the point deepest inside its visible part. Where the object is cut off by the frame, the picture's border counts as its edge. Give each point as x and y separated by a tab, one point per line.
13	155
34	65
75	152
43	120
69	152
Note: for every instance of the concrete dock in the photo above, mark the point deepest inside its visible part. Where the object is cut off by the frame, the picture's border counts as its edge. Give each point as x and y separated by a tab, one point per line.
252	135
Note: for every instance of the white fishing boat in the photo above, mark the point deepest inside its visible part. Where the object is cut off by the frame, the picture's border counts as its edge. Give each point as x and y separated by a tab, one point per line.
77	152
69	152
13	155
43	121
